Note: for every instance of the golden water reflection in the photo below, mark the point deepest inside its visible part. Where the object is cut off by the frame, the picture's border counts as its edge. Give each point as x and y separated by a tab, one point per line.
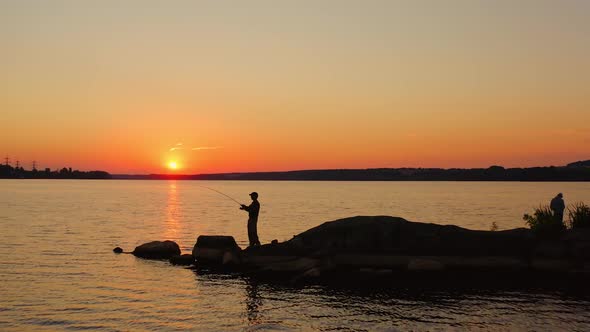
173	226
253	302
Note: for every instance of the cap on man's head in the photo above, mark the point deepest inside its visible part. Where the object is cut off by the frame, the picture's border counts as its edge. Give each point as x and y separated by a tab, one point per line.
254	194
560	195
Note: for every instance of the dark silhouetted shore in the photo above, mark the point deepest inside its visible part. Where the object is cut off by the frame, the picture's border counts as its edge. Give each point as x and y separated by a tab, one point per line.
9	172
579	171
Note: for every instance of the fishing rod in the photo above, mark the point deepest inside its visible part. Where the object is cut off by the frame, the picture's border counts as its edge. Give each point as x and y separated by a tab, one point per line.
219	192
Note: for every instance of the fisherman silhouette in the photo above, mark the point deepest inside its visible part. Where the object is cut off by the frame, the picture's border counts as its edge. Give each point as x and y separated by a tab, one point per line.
557	206
253	210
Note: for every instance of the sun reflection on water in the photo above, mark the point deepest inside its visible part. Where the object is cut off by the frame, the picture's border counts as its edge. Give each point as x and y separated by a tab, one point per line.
173	226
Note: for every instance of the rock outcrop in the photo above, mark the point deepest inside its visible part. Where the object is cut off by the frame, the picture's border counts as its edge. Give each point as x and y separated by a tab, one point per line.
387	246
382	234
381	243
157	250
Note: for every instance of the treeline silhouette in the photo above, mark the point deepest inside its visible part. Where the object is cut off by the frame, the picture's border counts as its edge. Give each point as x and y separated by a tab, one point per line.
9	172
579	171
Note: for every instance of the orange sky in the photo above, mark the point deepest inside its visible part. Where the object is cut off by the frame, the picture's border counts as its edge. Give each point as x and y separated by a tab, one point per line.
267	85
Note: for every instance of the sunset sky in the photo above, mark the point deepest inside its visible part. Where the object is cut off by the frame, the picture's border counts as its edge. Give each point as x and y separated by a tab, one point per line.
222	86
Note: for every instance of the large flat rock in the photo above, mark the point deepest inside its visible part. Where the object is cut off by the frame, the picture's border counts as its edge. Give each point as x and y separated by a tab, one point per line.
392	235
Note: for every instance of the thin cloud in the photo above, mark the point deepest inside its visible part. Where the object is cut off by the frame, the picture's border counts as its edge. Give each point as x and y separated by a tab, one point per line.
207	148
178	146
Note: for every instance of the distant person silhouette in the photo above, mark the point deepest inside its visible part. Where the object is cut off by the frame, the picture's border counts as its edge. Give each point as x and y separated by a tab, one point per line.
253	210
557	206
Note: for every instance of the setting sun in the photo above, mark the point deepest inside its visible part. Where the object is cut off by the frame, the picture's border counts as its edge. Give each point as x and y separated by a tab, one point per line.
172	165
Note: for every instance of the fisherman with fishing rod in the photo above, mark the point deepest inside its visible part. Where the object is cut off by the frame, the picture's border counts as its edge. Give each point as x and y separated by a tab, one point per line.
253	210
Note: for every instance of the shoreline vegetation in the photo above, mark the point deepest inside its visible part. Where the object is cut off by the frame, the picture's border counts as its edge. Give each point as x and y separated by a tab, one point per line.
577	171
9	172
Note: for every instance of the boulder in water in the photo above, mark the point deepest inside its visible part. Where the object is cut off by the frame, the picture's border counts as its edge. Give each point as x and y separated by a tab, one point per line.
211	249
157	250
118	250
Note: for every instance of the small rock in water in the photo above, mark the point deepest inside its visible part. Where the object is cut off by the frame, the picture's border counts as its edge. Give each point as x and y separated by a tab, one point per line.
118	250
186	259
157	250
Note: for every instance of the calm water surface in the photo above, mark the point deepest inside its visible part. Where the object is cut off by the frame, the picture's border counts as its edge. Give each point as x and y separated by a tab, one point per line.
57	270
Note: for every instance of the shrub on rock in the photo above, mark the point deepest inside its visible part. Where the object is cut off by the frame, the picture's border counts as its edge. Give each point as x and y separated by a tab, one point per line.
544	224
579	215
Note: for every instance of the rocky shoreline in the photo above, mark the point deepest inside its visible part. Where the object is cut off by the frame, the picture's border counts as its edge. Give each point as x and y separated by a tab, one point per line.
383	246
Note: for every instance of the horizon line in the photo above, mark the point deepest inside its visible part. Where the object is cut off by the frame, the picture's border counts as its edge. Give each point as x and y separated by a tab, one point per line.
334	169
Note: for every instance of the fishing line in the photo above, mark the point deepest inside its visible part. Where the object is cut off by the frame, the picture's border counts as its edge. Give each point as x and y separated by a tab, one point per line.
219	192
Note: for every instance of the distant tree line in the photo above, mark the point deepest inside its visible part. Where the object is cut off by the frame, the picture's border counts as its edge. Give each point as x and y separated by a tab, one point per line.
579	171
9	172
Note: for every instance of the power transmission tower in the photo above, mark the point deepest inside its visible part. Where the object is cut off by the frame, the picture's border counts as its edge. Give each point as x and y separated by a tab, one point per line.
17	164
34	165
7	161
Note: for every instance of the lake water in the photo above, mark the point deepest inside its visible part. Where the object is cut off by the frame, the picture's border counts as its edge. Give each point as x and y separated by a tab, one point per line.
58	272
